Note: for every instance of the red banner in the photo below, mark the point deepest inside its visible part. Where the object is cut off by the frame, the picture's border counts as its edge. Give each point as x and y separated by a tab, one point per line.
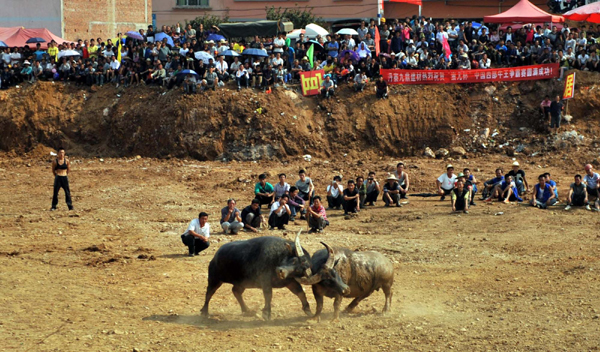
521	73
311	82
414	2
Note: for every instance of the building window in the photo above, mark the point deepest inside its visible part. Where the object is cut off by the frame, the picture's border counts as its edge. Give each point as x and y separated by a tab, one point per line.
192	3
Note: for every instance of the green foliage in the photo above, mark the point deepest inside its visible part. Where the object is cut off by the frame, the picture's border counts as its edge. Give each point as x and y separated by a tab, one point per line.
299	16
207	21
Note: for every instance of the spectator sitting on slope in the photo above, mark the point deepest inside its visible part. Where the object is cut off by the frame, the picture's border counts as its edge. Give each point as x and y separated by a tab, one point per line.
578	195
317	217
445	183
264	190
592	183
543	196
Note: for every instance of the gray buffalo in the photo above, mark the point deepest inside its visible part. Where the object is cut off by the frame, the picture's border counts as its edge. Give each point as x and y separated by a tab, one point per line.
341	272
262	262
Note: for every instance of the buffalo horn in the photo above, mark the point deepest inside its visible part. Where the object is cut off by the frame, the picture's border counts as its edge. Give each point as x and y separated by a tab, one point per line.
330	257
299	251
311	280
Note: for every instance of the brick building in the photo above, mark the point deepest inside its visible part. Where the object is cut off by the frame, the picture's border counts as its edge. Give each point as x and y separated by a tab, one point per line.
75	19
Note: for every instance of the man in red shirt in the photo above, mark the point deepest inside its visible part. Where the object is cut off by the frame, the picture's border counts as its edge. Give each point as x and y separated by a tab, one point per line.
317	217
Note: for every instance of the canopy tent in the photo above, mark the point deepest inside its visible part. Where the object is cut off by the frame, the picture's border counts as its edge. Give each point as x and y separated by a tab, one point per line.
589	12
18	36
523	11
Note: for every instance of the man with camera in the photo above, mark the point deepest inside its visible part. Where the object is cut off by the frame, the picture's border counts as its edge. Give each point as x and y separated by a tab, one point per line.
373	189
334	193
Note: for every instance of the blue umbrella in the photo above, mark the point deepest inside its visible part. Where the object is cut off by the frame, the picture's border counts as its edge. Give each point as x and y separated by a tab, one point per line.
134	35
476	25
3	44
35	40
215	37
230	53
255	52
187	72
158	37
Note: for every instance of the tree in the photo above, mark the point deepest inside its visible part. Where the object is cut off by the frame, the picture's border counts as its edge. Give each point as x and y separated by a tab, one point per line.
299	16
208	21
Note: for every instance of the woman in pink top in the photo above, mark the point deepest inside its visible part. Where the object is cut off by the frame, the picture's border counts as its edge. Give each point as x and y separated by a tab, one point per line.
545	107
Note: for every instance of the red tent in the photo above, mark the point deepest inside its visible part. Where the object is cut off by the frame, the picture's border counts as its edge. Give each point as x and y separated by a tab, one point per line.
523	11
18	36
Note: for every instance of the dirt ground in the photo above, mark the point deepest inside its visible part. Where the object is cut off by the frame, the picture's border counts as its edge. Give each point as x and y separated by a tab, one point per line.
112	275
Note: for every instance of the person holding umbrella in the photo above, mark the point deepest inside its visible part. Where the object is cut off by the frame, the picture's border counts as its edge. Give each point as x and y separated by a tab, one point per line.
189	83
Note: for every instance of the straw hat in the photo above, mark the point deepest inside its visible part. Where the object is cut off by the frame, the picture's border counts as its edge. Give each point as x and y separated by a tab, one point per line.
516	163
391	177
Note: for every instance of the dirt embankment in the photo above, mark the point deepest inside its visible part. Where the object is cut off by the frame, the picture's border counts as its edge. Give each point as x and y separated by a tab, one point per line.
249	125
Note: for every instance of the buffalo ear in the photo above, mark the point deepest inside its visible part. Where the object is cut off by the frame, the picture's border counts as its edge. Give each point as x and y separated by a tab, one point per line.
289	248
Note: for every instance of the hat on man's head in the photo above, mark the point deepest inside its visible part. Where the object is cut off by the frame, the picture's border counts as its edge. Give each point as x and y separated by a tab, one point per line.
449	166
516	163
305	58
26	63
460	174
391	177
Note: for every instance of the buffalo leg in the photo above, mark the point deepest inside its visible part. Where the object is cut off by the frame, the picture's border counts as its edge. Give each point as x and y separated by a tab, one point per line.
319	298
238	291
268	293
210	291
387	290
355	302
296	289
337	302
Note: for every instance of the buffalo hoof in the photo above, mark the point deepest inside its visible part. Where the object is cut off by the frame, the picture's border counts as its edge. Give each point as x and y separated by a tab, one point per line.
266	316
315	318
335	320
204	313
307	311
249	313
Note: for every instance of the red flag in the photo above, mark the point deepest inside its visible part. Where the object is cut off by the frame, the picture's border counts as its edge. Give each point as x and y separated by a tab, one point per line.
377	40
414	2
446	47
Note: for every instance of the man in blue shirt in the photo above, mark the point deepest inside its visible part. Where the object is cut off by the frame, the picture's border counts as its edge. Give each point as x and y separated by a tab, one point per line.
332	47
552	184
543	196
489	185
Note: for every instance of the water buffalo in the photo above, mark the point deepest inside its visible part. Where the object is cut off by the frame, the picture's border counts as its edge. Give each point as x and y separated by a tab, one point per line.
341	272
262	262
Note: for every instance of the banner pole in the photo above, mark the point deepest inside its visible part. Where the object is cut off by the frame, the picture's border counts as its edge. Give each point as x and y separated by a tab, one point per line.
419	10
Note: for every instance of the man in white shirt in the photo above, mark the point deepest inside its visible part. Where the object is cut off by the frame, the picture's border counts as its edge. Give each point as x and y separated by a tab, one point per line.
445	183
114	69
280	213
334	193
277	60
278	44
221	67
197	234
485	62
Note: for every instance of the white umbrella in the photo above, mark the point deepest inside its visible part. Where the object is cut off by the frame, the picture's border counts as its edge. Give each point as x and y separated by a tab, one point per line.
295	34
345	31
65	53
313	30
203	55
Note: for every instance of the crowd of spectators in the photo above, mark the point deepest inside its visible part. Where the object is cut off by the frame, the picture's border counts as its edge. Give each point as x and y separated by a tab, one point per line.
300	201
411	43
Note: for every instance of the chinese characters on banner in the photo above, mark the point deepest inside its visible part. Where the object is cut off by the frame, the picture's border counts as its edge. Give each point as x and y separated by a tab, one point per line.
569	91
522	73
311	82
